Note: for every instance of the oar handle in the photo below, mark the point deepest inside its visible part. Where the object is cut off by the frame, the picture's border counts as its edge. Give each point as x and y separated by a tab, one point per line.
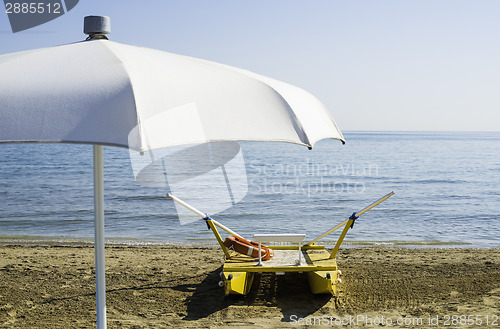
376	203
202	214
188	206
353	217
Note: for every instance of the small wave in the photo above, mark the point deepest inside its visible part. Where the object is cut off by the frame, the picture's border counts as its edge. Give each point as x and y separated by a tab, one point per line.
110	242
437	181
399	243
140	198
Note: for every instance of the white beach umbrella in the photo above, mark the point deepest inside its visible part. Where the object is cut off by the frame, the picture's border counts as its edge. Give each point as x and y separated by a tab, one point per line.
105	93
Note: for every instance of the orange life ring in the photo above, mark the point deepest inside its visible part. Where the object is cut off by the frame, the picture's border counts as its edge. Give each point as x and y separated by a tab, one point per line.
249	248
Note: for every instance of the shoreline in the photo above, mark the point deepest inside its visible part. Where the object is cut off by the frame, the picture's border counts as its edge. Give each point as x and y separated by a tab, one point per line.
175	286
129	242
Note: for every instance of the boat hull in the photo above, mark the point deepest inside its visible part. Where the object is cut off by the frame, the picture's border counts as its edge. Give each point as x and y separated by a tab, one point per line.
237	283
323	282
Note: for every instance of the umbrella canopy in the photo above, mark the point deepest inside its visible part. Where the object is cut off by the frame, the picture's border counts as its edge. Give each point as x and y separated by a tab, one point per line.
105	93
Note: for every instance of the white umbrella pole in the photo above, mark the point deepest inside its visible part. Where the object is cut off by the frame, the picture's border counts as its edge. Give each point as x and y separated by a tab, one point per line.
100	278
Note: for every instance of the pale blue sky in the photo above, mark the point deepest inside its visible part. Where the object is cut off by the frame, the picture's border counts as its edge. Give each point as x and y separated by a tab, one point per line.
376	64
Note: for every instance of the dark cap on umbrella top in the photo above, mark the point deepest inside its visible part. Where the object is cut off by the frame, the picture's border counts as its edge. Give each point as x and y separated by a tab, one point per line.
97	26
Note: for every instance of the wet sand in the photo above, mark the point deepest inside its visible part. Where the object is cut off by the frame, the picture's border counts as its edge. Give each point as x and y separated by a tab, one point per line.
176	287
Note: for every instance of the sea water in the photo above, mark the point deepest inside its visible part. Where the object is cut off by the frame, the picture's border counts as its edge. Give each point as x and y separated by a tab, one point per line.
446	185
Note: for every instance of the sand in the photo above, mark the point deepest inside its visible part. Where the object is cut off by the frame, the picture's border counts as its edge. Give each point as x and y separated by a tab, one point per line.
176	287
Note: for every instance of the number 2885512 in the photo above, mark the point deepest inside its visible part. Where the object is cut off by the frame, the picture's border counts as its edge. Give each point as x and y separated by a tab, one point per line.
33	8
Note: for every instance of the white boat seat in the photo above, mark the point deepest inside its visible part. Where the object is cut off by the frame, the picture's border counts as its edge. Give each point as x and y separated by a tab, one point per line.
267	238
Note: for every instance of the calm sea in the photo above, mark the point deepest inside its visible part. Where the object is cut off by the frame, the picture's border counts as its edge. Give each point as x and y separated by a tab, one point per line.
446	184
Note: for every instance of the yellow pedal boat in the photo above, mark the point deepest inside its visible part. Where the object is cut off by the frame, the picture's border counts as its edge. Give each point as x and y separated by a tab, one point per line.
314	260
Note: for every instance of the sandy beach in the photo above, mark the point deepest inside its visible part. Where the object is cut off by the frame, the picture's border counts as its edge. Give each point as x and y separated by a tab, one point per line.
176	287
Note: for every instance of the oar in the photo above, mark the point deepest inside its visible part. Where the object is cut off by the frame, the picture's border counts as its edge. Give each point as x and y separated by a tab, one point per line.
210	223
376	203
326	233
354	216
202	214
385	197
